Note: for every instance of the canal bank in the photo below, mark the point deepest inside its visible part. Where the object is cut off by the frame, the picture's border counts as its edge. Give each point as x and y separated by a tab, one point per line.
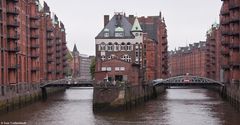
16	96
232	94
122	97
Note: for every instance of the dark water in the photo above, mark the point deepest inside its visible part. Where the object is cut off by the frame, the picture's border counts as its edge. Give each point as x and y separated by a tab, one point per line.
175	107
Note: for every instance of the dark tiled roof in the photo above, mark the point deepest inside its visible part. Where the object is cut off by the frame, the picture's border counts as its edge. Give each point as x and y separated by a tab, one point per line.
114	23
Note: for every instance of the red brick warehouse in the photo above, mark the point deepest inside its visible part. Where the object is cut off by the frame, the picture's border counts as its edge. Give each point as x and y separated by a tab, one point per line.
28	33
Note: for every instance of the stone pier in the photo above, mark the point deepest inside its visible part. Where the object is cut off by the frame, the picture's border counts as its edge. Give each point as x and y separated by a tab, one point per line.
122	97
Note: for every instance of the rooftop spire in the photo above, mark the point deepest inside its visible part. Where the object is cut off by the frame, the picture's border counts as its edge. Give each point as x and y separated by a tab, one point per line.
136	26
75	48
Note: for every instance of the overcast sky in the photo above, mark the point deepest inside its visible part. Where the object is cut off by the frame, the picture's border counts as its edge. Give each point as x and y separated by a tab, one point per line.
187	20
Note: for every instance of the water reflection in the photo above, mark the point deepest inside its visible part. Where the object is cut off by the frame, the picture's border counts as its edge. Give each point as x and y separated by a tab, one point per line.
175	107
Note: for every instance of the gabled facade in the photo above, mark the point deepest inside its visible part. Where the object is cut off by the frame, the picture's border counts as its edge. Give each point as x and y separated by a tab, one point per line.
122	49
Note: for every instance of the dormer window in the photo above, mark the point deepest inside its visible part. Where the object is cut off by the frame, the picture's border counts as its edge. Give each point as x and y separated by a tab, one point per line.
106	32
119	32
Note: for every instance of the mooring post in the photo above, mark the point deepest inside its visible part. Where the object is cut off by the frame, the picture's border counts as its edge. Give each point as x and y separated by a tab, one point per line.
44	93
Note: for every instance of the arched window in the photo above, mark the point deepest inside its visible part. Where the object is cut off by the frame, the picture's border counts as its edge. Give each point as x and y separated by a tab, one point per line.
116	47
123	47
102	47
126	58
129	47
110	47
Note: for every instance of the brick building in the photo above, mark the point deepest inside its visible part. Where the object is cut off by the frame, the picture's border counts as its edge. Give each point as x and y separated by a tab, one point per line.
24	29
191	59
75	62
131	49
214	57
230	39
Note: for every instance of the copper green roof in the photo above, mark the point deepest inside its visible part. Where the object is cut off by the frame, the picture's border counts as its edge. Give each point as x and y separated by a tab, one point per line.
136	26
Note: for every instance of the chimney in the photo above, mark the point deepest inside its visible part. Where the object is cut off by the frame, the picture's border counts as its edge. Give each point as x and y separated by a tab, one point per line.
106	19
131	19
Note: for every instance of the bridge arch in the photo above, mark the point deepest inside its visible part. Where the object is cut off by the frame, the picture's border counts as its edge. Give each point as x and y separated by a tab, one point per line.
186	80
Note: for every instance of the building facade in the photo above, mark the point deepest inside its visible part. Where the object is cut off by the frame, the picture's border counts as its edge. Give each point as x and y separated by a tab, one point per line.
124	45
230	39
85	63
213	43
191	59
24	41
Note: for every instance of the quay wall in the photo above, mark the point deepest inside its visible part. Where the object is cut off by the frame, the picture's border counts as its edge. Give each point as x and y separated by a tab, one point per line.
13	97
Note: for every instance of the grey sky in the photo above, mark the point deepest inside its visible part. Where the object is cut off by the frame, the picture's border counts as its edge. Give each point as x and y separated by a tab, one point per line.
187	20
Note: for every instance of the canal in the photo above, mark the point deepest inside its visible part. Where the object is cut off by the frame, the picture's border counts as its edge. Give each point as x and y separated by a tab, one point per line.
175	107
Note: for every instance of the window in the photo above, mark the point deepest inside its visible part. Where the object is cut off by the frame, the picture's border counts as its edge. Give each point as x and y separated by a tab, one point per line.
109	68
111	57
104	68
126	58
119	34
117	68
106	34
123	47
129	47
116	47
103	57
110	47
122	68
102	47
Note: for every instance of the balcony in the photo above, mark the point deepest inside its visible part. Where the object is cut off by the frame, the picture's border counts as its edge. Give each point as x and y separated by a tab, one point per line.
235	45
225	52
13	67
50	37
49	44
13	36
58	43
65	64
34	17
35	46
15	1
58	62
50	29
58	50
64	42
233	6
35	69
49	52
225	12
12	11
34	36
225	42
58	36
14	50
225	33
49	59
235	19
34	56
225	21
235	81
58	56
13	23
34	25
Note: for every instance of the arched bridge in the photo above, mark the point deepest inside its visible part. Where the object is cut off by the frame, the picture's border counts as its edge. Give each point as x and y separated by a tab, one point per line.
69	83
66	83
186	80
